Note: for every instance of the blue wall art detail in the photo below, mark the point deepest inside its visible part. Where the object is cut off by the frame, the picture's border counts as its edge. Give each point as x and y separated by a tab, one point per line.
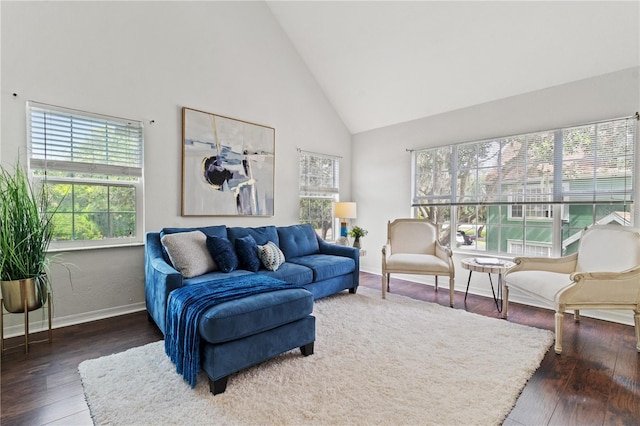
227	166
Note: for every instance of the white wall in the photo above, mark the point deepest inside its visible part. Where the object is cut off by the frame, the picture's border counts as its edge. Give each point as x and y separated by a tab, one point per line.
144	61
381	163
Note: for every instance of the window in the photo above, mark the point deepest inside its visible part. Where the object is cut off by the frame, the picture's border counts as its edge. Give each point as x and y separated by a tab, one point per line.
92	165
522	205
319	188
517	248
529	193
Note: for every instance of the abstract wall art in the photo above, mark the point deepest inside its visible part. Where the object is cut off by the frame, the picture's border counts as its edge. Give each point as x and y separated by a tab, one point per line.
227	166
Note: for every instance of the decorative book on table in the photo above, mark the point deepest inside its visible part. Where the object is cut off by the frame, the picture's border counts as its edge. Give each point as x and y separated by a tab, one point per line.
488	261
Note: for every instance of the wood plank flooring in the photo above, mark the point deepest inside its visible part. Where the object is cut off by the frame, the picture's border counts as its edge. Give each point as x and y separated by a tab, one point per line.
596	381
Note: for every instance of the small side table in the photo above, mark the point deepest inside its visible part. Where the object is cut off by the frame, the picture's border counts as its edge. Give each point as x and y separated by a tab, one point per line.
499	268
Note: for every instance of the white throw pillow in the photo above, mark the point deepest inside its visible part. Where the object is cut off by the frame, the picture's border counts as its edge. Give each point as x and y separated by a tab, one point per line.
188	253
271	256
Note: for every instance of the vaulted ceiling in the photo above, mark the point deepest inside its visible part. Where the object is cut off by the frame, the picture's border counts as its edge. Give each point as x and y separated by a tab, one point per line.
387	62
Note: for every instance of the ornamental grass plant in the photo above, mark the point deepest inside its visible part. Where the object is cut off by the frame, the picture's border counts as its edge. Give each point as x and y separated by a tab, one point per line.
26	228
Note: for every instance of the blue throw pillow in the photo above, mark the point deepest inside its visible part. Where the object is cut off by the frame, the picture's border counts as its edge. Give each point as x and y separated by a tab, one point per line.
247	251
222	252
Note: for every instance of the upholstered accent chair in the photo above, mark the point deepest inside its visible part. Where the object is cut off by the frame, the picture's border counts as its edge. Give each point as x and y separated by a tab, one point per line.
603	274
413	248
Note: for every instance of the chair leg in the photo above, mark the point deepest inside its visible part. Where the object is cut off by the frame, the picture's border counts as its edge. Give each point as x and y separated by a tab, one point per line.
436	283
452	286
505	301
576	315
636	316
385	281
559	319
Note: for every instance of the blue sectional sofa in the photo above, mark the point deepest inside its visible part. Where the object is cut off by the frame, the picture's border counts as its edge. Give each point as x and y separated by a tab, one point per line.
320	267
241	332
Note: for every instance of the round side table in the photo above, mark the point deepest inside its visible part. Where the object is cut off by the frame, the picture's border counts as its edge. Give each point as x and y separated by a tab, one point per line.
490	266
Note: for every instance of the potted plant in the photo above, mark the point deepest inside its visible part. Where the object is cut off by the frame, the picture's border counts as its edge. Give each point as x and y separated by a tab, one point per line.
357	232
26	229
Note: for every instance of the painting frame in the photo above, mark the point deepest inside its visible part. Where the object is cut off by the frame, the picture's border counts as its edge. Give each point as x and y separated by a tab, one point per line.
228	166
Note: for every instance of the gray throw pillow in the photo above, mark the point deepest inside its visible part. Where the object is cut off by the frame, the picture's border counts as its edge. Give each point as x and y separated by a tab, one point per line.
188	253
271	256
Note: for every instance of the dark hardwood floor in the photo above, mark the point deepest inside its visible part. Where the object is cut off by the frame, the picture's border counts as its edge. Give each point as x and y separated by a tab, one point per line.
596	381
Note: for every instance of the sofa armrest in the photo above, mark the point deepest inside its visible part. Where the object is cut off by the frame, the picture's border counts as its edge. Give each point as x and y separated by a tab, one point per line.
160	279
345	251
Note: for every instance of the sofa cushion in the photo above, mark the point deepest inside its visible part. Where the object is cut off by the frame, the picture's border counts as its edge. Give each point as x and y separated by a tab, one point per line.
247	251
298	240
261	234
254	314
217	231
222	253
291	273
188	253
325	266
271	256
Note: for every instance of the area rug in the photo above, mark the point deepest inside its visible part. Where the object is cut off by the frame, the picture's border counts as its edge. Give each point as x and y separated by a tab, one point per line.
393	361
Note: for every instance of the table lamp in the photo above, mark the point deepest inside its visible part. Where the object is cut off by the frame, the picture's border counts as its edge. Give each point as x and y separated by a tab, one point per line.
344	211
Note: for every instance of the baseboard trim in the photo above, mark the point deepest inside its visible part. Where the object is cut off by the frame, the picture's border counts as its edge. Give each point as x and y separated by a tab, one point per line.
59	322
617	316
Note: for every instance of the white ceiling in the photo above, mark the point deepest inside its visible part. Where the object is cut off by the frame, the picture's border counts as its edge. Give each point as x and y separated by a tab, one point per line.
387	62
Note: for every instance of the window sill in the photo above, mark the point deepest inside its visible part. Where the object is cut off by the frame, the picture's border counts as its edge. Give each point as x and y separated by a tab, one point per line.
93	247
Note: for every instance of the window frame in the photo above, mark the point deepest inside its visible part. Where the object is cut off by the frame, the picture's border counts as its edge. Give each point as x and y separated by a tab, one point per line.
51	169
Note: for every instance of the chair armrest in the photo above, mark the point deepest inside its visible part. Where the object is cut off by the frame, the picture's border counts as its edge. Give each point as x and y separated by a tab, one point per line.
633	273
602	288
563	265
445	254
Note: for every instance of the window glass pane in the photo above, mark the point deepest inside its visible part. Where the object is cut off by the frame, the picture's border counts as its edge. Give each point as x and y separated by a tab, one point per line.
122	224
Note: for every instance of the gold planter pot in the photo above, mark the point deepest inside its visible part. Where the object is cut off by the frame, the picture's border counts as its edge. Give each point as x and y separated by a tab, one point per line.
23	296
15	293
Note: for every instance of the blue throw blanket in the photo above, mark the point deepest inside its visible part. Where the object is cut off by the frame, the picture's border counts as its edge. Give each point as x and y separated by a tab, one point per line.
186	305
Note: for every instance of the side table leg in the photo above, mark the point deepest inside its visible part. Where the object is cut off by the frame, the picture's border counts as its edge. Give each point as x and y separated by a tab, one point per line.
496	297
500	285
467	290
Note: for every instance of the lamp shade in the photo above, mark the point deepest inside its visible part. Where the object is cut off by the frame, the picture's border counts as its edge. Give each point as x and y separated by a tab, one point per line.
345	210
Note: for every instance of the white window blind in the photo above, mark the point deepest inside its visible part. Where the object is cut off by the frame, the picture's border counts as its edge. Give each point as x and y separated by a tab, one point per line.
67	140
319	174
588	163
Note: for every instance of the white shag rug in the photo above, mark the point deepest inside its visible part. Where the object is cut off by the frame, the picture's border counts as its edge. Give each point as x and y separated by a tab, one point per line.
394	361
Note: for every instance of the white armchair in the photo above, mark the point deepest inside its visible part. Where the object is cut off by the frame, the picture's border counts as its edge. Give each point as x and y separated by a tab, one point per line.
413	248
603	274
